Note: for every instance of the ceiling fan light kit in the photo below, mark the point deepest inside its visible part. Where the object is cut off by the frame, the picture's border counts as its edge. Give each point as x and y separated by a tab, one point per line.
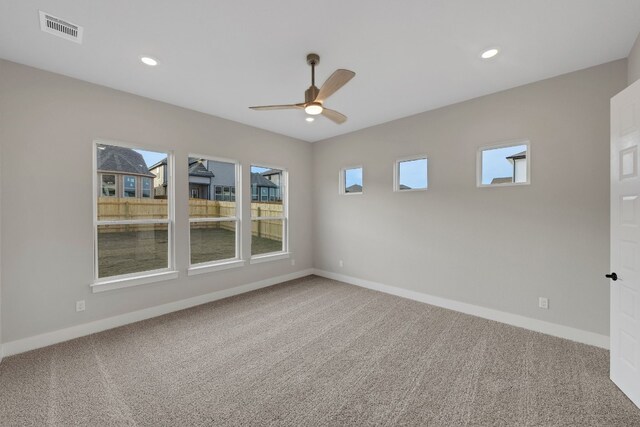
314	97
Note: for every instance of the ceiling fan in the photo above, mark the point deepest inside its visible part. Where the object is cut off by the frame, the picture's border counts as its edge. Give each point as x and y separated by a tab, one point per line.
314	98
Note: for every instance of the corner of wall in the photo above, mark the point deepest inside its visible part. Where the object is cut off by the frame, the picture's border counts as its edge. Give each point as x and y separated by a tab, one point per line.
633	62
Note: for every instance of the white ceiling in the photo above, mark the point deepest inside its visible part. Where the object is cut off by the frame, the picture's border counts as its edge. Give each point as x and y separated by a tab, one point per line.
220	57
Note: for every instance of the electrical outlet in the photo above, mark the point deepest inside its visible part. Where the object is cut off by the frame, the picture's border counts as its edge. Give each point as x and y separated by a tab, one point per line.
80	305
340	263
293	262
543	303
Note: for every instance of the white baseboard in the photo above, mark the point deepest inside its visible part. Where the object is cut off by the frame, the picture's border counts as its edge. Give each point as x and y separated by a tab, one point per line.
49	338
548	328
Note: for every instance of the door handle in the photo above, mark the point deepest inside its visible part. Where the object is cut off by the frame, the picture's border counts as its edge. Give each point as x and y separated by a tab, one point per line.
612	276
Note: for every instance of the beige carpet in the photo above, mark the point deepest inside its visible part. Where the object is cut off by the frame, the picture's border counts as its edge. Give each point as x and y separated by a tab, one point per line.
313	352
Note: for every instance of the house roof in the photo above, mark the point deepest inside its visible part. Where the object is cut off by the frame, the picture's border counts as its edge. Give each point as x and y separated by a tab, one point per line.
261	181
271	172
198	169
520	155
504	180
405	187
355	188
160	163
122	160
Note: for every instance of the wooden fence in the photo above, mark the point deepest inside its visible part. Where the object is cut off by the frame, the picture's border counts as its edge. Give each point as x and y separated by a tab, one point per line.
129	208
268	229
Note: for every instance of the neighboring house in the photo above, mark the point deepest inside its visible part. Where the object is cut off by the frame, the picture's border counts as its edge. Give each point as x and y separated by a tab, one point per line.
519	174
199	179
504	180
208	179
355	188
263	190
275	176
122	172
519	162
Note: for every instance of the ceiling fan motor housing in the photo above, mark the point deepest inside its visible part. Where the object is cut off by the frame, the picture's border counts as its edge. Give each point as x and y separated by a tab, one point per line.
311	94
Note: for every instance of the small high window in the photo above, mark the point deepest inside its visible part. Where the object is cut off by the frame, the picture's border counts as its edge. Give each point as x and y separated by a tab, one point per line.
410	174
504	165
351	180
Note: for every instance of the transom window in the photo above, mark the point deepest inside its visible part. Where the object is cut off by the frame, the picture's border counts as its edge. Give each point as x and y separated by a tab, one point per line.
214	215
351	180
410	174
506	164
132	232
268	211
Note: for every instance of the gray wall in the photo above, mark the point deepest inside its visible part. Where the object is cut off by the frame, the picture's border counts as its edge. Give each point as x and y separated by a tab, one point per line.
500	248
634	62
48	125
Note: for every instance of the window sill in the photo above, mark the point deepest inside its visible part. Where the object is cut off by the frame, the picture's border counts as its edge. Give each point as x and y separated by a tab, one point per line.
506	184
409	190
269	257
109	285
208	268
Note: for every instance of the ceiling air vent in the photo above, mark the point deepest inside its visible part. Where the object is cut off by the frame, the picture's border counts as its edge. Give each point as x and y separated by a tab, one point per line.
59	27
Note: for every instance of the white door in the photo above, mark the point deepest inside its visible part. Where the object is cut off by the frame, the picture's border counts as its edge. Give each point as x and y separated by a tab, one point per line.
625	242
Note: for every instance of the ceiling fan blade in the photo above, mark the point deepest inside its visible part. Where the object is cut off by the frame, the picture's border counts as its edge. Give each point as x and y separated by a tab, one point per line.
333	115
278	107
338	79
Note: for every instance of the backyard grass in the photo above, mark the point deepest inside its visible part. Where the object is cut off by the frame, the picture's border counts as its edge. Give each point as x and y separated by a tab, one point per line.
132	252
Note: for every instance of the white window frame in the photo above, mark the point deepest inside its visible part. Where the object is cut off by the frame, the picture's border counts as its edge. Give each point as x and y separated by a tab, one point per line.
143	277
342	178
227	263
284	191
506	144
396	173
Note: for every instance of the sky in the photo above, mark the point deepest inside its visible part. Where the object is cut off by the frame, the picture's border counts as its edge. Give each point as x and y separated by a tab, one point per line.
495	164
258	169
413	173
352	176
151	157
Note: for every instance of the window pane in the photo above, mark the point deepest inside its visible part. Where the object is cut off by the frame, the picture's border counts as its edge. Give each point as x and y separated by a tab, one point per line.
412	174
212	241
353	180
266	192
124	249
504	165
212	181
129	186
108	186
146	187
266	236
128	167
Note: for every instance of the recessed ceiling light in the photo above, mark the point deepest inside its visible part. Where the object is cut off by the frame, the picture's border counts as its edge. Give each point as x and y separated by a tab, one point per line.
309	119
147	60
490	53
